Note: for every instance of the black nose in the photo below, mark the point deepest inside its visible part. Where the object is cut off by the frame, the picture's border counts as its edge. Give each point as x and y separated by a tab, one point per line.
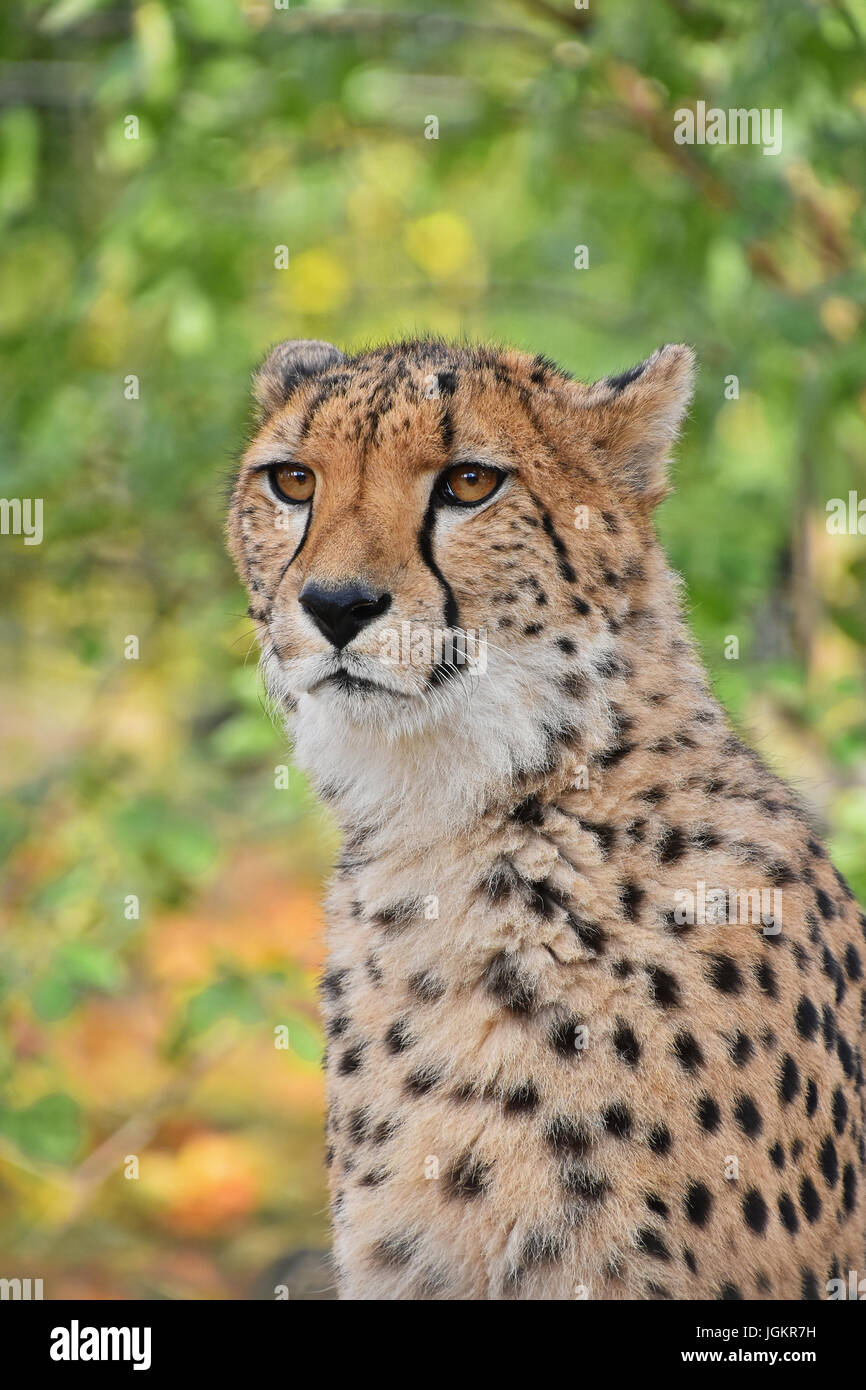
340	613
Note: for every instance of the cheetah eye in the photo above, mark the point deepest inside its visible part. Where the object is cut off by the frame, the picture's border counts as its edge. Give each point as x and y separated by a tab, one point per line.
292	482
467	484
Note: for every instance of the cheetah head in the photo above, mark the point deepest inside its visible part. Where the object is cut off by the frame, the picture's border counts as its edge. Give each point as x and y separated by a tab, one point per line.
437	543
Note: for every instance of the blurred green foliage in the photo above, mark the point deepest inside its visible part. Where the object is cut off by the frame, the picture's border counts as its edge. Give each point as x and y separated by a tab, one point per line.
149	1030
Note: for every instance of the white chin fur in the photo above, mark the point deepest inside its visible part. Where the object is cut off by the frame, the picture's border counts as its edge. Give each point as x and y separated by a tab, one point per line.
431	763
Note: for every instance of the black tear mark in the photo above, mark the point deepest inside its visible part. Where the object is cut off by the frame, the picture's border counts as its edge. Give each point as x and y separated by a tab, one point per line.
292	558
425	547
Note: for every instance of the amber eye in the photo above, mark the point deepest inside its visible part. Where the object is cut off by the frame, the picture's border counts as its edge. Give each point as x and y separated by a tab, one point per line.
469	483
292	482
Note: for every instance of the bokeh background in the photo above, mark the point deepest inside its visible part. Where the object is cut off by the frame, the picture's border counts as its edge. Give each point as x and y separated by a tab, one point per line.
154	257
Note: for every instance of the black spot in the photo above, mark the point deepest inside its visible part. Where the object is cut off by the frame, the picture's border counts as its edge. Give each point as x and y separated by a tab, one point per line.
631	897
840	1110
777	1155
351	1059
651	1243
563	563
828	1026
521	1100
447	382
664	987
656	1204
849	1187
617	1120
626	1044
673	844
605	834
659	1139
654	795
755	1211
543	897
762	1283
729	1293
845	1055
780	874
789	1079
724	973
709	1114
690	1261
742	1049
337	1026
623	968
398	1037
332	983
580	605
395	917
504	980
829	1162
529	812
811	1097
687	1052
806	1018
426	986
422	1080
468	1090
358	1122
809	1286
539	1247
468	1177
395	1251
766	978
796	1149
825	905
852	963
810	1202
748	1117
698	1203
567	1136
579	1182
589	933
788	1214
384	1130
563	1036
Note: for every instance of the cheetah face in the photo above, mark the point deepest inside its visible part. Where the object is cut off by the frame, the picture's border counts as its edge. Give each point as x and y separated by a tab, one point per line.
428	534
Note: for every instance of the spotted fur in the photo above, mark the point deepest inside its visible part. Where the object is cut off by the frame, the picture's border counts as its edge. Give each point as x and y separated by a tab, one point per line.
543	1083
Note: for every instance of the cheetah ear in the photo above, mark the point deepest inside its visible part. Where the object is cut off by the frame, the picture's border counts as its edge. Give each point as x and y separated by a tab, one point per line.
635	418
287	367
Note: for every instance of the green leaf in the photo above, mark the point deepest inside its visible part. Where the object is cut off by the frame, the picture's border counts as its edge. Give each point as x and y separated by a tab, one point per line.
49	1130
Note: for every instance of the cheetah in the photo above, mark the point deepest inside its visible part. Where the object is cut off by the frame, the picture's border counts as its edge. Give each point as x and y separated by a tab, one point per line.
594	992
